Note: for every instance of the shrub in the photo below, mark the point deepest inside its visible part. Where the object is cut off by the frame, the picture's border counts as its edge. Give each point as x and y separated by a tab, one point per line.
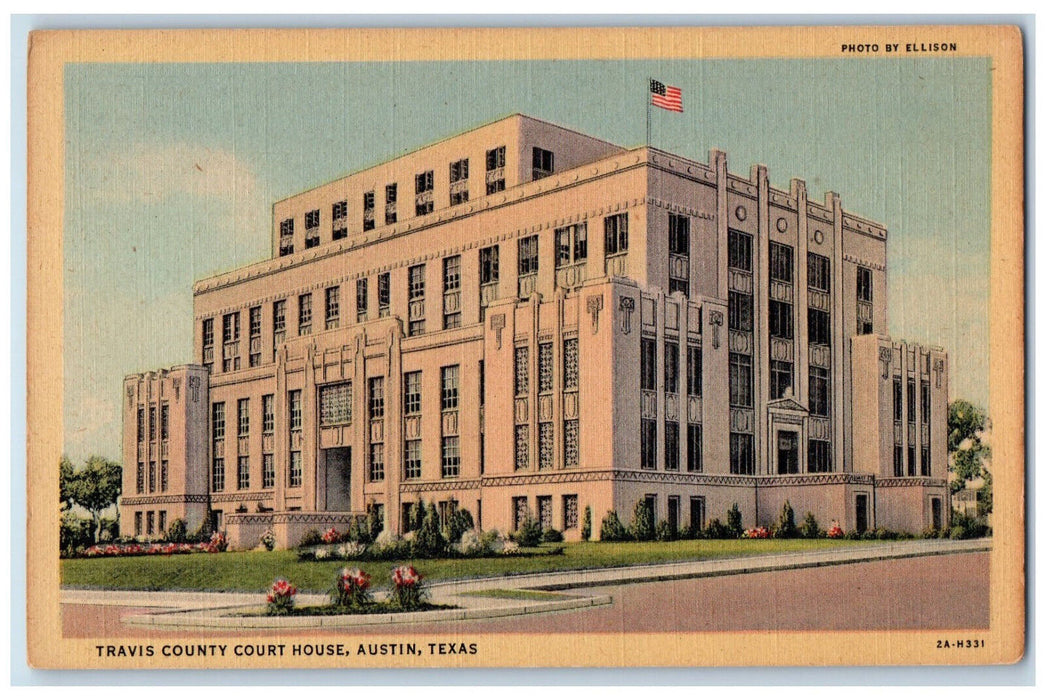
810	529
472	544
551	534
330	536
586	524
389	545
75	534
459	522
429	540
268	540
611	529
281	597
351	589
756	533
311	538
966	527
416	517
374	524
786	522
688	532
665	532
176	531
716	530
881	533
202	533
407	590
108	529
353	534
529	533
834	532
853	535
733	521
642	525
930	533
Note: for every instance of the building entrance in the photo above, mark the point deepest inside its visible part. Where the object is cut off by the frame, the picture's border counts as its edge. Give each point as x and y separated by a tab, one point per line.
862	513
338	467
787	452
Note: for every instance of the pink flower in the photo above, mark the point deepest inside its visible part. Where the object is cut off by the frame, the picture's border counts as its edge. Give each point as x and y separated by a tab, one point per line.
331	536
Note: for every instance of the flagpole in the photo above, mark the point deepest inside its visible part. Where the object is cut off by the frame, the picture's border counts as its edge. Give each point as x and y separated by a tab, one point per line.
647	95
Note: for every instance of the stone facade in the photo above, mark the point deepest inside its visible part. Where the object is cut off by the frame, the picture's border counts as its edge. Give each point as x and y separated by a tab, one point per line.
524	319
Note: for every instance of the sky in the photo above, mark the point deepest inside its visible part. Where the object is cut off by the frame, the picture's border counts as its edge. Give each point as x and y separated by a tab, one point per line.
172	169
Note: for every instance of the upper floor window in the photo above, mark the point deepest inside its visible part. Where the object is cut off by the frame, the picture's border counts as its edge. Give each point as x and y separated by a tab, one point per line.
332	307
368	210
390	203
496	170
339	210
423	182
376	397
780	320
672	368
416	281
615	234
254	319
243	413
780	262
739	311
268	414
528	255
739	250
412	393
864	284
336	404
819	327
286	236
423	193
208	332
304	314
312	219
543	162
384	294
287	227
818	272
451	273
571	244
361	300
231	327
294	408
449	387
740	372
488	265
218	420
693	370
279	316
648	365
678	234
459	175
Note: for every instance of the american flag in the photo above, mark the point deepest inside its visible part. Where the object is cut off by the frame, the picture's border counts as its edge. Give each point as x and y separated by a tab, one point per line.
666	96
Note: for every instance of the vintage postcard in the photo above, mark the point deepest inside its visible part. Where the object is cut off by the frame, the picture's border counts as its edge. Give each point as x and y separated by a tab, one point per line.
526	347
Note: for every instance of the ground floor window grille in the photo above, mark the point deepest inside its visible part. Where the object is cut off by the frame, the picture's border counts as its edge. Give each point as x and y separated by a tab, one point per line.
522	447
697	513
243	473
520	511
451	457
545	512
377	462
570	443
570	511
268	471
218	474
294	475
546	447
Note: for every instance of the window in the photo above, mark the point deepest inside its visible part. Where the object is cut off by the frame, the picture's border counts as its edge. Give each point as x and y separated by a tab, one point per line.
496	170
520	511
336	404
422	199
570	443
693	447
416	281
482	384
546	445
648	446
254	321
819	458
787	452
376	397
451	453
165	472
522	447
218	421
207	333
339	215
139	478
924	388
911	460
697	513
648	364
544	368
911	401
780	379
739	312
615	234
294	472
161	522
152	476
218	474
898	460
141	424
780	320
368	211
671	367
819	391
543	162
138	523
412	393
818	272
339	210
412	459
230	336
522	370
384	295
740	380
286	237
488	265
819	327
671	446
528	255
312	228
864	284
451	283
459	175
150	520
693	370
570	364
742	457
739	251
545	512
449	388
294	405
268	471
924	461
570	511
376	468
780	262
152	423
898	402
361	300
571	244
243	473
304	314
268	415
279	319
390	204
243	412
332	307
679	234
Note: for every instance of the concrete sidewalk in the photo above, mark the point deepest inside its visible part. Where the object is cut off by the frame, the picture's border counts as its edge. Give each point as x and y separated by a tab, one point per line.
224	610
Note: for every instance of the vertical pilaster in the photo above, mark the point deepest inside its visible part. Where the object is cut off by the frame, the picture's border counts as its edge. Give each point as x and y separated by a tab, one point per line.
840	339
718	160
393	426
802	335
760	318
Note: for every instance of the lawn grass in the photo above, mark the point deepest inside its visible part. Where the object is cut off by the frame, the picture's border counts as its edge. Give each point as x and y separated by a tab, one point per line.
516	594
256	570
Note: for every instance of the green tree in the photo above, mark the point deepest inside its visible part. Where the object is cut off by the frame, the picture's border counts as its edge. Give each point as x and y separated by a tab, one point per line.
967	451
733	521
586	524
65	478
786	521
95	487
642	526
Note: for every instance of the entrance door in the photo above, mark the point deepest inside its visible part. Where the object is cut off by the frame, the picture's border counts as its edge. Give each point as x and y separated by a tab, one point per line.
338	468
935	512
787	452
862	512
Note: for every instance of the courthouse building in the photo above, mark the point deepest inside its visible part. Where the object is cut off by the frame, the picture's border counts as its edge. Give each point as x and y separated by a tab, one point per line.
523	319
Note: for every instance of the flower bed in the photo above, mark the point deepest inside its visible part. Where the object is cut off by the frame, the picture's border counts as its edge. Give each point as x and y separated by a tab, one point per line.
217	543
391	547
756	533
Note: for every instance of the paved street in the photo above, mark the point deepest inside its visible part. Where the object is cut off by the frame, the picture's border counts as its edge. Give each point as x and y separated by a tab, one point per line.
930	592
